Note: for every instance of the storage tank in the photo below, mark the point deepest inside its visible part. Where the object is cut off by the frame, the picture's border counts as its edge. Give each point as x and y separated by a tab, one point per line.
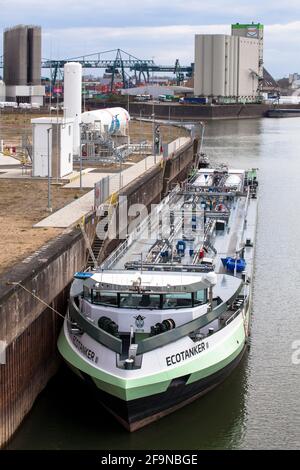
233	181
72	99
108	121
2	91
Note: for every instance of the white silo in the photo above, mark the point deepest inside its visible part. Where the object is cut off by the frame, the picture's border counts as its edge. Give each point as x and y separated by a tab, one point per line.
72	99
2	91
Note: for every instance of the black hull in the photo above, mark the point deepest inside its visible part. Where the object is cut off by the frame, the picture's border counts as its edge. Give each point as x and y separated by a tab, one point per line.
136	414
283	113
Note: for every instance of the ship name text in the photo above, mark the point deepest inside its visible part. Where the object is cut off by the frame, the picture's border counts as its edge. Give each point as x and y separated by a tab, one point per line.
91	355
187	354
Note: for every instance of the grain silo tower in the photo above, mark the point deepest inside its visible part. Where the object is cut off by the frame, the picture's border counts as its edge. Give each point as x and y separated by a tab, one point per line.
252	31
22	64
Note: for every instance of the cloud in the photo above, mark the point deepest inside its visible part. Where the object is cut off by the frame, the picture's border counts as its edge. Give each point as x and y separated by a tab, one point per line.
281	48
166	44
96	13
155	28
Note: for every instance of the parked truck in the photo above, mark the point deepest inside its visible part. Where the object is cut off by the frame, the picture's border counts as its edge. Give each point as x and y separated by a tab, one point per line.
165	98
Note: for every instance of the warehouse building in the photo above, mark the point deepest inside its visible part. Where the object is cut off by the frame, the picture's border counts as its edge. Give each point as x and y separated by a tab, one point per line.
227	68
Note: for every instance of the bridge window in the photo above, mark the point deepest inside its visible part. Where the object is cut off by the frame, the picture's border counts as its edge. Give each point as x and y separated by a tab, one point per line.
200	297
140	301
149	301
177	300
104	298
87	293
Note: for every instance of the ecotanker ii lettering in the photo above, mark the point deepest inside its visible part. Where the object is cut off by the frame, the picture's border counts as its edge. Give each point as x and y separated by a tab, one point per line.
85	350
187	354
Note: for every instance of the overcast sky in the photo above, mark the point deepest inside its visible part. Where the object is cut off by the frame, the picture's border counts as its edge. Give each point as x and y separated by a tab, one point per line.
159	29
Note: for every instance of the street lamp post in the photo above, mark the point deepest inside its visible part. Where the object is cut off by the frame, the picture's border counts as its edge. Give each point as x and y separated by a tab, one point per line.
140	131
50	98
49	170
202	135
120	173
153	133
80	157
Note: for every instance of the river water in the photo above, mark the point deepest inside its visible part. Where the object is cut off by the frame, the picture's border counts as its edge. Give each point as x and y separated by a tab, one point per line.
258	405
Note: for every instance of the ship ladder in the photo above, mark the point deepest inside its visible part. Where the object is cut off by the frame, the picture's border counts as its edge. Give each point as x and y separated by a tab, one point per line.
99	242
87	242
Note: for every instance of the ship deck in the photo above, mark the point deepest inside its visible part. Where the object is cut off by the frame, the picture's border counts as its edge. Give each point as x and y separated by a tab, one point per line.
144	247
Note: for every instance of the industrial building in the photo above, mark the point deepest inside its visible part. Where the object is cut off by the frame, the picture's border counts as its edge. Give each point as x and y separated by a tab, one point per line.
22	64
229	68
252	31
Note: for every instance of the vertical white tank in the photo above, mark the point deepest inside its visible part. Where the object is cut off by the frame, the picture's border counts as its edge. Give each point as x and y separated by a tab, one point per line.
2	91
72	99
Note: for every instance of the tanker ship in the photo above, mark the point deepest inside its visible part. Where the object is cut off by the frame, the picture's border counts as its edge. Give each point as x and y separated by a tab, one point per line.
166	317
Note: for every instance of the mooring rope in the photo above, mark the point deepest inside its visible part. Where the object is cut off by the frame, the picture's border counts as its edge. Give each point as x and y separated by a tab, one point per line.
36	297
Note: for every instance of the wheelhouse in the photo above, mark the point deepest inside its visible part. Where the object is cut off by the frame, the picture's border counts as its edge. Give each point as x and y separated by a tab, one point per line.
145	300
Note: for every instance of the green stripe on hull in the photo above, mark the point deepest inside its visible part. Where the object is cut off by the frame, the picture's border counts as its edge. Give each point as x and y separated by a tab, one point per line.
117	386
131	389
109	383
201	374
137	392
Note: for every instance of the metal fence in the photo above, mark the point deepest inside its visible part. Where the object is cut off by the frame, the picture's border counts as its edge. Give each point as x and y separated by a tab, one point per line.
114	183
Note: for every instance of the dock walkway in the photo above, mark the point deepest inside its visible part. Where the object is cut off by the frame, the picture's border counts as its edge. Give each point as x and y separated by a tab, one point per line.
70	215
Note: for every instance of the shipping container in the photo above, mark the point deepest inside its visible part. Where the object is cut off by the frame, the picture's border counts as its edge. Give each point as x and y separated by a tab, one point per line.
193	100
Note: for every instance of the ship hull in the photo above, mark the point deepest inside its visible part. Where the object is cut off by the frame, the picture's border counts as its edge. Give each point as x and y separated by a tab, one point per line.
138	413
148	402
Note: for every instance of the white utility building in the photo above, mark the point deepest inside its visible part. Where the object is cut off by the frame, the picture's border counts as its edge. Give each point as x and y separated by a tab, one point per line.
72	99
226	67
52	142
